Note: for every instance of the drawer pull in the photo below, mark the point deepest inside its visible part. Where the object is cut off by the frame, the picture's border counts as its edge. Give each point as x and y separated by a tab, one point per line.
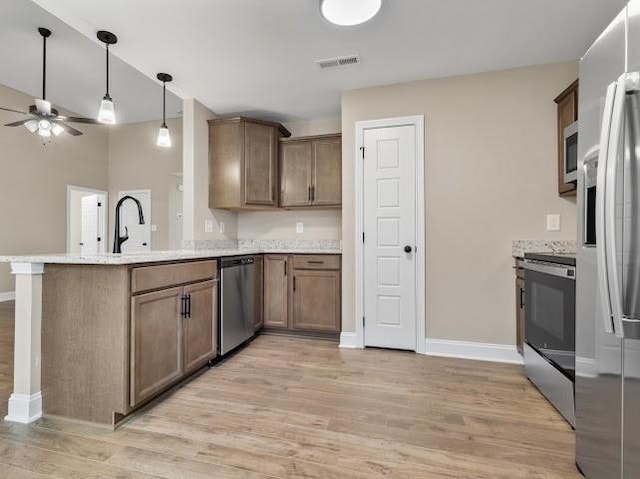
315	262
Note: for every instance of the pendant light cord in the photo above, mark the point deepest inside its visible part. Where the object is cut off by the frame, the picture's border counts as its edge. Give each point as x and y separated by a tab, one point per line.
108	96
44	68
164	101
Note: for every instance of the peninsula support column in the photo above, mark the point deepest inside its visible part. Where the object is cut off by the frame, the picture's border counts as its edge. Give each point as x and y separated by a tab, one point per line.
25	403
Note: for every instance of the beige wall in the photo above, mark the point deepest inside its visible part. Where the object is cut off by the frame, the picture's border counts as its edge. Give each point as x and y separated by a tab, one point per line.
196	179
325	224
490	167
34	179
137	163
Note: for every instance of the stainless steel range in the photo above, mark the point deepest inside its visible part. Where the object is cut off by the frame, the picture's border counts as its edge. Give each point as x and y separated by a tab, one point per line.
550	318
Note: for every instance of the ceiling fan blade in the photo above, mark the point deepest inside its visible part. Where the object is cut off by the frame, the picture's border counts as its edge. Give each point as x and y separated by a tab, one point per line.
17	123
72	131
14	111
77	119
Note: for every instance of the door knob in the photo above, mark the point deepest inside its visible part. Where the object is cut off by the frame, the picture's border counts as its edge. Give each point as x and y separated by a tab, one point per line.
407	249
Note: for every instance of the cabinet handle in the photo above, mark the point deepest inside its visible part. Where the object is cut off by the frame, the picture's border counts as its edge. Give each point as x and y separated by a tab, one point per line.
294	283
183	307
313	193
308	193
521	298
315	262
188	306
285	267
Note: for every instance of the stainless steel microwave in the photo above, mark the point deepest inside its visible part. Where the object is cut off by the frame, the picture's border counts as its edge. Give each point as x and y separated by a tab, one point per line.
571	153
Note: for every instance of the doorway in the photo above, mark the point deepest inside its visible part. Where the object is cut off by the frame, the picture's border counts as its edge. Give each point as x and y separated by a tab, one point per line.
86	220
390	239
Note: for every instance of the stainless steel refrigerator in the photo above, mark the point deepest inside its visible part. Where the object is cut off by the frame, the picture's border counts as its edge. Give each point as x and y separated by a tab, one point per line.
607	388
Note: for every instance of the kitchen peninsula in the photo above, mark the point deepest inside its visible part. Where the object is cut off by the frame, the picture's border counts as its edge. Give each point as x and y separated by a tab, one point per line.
98	336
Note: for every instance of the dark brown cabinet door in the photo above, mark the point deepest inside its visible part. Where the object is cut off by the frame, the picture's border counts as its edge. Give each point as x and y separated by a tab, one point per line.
259	296
156	342
327	172
316	300
567	103
260	164
295	173
200	325
275	291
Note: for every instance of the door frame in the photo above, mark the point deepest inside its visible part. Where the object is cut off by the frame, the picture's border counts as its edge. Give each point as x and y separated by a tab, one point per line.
104	215
417	122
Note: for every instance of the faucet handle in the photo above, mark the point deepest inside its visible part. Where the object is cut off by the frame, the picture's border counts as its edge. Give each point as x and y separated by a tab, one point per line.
126	235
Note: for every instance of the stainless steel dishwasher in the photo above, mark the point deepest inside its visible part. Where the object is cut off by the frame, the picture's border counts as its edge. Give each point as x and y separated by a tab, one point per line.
237	308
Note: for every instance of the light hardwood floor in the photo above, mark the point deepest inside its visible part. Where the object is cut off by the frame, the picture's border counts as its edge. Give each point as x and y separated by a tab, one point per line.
295	408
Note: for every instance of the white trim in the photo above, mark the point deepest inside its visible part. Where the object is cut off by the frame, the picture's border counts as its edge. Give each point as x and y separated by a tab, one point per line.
27	268
7	296
348	340
420	256
104	216
24	408
499	353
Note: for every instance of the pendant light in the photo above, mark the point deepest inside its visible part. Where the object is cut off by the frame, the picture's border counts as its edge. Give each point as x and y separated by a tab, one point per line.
164	138
107	113
349	13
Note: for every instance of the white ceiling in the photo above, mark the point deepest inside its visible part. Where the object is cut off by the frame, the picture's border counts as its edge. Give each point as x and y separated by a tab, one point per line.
257	56
75	68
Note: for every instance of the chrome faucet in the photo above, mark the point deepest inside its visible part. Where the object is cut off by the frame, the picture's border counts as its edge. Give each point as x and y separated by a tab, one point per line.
118	240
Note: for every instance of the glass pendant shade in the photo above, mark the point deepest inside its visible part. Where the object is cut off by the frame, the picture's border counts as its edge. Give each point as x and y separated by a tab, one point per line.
347	13
107	112
164	138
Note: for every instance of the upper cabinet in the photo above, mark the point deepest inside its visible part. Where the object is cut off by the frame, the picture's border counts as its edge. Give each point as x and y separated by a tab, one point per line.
311	172
243	163
567	103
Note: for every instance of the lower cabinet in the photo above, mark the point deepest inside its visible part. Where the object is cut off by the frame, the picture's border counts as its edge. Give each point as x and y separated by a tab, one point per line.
173	333
302	293
316	300
276	291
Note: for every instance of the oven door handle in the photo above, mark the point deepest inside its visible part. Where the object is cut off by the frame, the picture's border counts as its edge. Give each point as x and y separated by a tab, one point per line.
567	272
601	185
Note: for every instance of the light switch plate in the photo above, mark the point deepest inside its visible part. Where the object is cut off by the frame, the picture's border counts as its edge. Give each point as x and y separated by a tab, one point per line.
154	227
208	226
299	227
553	222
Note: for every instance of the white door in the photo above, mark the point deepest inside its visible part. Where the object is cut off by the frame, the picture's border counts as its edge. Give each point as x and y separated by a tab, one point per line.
389	194
139	235
89	226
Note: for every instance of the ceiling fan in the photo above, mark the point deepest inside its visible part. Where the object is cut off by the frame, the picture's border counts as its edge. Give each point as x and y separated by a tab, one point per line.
44	119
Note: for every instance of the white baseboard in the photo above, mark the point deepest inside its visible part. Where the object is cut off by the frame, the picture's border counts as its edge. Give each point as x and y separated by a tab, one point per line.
7	296
349	340
499	353
24	408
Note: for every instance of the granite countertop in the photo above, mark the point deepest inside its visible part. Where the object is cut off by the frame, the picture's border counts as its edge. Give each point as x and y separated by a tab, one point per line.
155	256
520	247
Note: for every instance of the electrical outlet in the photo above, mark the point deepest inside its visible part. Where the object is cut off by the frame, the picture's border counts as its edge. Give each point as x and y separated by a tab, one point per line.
553	222
299	227
208	226
221	227
154	227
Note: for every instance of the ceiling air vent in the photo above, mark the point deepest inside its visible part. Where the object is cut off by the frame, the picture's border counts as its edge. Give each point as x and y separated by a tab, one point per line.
338	62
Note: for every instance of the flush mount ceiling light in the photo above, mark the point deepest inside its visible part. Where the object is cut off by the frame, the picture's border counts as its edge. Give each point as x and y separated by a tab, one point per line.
107	113
164	138
347	13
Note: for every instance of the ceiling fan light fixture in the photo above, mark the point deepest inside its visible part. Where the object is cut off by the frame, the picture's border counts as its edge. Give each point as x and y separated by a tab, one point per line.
164	137
31	125
57	130
107	113
348	13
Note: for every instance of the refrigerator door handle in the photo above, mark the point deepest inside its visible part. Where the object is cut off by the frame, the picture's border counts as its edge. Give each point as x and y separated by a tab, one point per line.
603	280
611	231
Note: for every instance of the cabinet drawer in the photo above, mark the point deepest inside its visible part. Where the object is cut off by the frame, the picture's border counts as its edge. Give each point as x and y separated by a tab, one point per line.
316	261
163	276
